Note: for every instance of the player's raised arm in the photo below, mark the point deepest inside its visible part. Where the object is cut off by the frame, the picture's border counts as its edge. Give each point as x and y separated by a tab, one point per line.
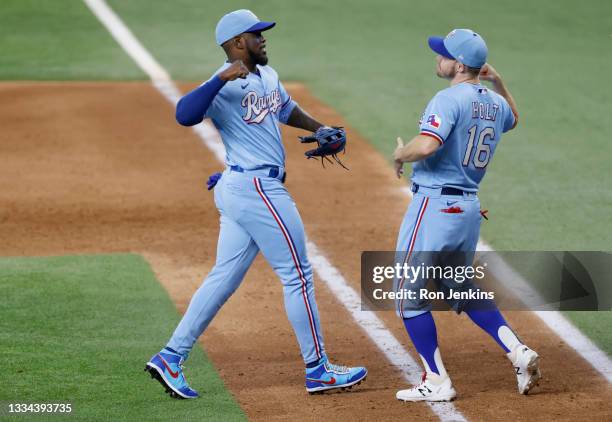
191	109
463	123
488	73
257	211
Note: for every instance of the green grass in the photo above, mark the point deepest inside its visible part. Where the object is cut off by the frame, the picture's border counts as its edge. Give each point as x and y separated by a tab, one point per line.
548	187
591	270
595	325
58	40
80	328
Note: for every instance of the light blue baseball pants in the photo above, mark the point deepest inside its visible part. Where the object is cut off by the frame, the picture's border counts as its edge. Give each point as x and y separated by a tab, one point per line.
257	213
436	223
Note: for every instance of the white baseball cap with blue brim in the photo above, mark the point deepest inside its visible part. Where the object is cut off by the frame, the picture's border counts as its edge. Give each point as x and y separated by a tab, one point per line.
238	22
463	45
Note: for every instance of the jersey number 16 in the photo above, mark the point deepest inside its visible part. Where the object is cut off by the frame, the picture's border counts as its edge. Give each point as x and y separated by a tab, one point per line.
482	149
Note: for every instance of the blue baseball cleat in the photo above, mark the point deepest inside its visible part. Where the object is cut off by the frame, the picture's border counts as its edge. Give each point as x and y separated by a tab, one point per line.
327	376
167	368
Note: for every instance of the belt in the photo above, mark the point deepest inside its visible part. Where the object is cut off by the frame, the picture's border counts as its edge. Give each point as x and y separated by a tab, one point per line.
273	171
443	191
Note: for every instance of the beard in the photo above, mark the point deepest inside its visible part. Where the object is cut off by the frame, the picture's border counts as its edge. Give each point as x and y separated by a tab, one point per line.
448	75
258	58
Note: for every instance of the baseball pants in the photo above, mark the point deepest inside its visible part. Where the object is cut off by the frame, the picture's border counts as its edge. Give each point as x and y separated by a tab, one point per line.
257	214
430	226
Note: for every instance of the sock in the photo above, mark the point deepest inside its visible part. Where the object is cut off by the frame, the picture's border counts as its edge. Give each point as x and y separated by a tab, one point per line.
171	350
315	363
424	336
493	322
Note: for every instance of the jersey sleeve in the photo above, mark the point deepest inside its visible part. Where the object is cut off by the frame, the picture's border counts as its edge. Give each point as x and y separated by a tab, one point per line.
192	108
287	104
215	109
439	117
509	119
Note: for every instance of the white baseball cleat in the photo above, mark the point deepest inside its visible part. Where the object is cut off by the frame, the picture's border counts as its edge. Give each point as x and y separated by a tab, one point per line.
433	387
526	365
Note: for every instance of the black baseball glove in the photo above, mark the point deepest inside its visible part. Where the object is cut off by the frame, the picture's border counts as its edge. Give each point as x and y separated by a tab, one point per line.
331	141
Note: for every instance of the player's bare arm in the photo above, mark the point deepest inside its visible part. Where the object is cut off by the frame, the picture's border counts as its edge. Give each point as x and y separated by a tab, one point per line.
489	73
302	120
420	147
331	140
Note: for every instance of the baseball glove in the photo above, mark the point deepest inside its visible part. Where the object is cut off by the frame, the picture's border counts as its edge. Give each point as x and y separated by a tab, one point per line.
331	141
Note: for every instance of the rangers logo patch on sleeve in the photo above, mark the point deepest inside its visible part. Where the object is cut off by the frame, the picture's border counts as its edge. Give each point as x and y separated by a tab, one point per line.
434	121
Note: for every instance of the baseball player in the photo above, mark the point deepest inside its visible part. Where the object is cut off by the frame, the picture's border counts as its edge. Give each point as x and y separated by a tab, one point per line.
458	134
246	102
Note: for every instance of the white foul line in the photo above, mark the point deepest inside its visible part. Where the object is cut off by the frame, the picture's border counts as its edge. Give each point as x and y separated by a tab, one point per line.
375	329
147	63
368	321
555	320
373	326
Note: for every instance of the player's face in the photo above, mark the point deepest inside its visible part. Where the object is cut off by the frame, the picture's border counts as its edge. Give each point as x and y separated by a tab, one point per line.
256	48
445	67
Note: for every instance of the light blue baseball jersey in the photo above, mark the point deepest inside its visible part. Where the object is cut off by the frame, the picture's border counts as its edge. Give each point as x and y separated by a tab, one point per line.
468	121
257	212
246	112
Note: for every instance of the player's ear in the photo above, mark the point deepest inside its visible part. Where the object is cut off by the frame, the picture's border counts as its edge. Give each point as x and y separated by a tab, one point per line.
239	42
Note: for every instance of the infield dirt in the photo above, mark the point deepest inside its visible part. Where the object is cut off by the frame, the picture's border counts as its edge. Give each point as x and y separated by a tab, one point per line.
103	167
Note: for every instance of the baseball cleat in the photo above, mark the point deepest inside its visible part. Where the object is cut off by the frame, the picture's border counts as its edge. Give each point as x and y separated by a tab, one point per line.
327	376
167	368
433	387
526	365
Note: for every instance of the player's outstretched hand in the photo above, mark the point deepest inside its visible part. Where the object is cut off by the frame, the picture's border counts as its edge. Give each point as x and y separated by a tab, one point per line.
398	164
236	70
488	73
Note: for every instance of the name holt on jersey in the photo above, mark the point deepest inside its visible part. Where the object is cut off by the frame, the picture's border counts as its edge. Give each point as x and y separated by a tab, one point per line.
484	111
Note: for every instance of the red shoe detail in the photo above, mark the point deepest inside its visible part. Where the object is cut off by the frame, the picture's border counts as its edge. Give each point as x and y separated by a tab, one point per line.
172	373
331	381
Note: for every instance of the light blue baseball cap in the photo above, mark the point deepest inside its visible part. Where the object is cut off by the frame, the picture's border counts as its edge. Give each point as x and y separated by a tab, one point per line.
463	45
237	22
